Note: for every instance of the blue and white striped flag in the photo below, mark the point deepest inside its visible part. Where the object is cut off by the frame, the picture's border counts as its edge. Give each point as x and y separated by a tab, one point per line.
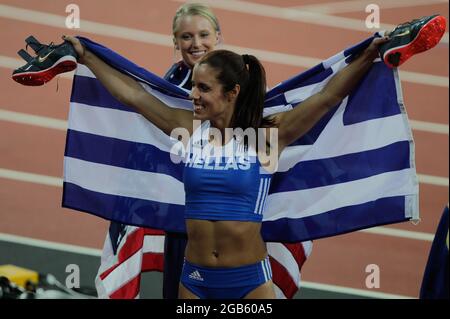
355	169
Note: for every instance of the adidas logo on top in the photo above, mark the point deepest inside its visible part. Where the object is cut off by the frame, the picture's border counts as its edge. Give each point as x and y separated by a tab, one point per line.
196	275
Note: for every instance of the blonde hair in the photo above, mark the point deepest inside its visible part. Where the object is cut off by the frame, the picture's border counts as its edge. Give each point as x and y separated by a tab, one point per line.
192	9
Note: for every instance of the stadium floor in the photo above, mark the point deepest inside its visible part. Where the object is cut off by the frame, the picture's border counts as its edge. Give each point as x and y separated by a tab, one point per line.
52	261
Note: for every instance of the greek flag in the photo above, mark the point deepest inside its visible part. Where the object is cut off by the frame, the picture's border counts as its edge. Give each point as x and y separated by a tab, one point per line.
354	169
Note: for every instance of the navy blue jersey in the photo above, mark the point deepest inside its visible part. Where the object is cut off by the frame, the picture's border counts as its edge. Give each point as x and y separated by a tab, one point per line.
180	75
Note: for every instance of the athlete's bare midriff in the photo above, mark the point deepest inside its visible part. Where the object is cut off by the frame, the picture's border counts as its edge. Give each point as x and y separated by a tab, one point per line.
224	243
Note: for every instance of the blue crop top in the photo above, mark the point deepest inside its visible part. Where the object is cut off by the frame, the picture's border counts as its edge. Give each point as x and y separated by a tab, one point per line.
225	187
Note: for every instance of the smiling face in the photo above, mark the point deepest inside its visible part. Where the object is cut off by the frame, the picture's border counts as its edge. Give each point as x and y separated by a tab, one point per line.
194	38
208	98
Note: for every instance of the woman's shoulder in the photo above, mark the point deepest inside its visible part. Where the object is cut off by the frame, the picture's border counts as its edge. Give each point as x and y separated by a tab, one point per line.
177	73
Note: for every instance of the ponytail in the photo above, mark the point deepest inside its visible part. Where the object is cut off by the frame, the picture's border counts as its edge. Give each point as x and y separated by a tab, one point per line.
250	102
249	74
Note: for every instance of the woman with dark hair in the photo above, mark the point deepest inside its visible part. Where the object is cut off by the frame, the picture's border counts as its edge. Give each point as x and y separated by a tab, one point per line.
196	31
225	256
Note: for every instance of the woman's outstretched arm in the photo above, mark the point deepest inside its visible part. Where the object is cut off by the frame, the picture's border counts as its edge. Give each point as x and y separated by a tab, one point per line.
295	123
129	92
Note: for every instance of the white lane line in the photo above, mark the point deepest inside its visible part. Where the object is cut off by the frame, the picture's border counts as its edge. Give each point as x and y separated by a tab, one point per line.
433	180
297	15
351	291
429	127
97	253
360	5
50	245
422	78
399	233
56	181
31	177
48	122
53	20
36	120
274	57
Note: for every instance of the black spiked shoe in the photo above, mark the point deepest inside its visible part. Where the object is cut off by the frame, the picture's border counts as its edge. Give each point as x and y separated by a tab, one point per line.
50	61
